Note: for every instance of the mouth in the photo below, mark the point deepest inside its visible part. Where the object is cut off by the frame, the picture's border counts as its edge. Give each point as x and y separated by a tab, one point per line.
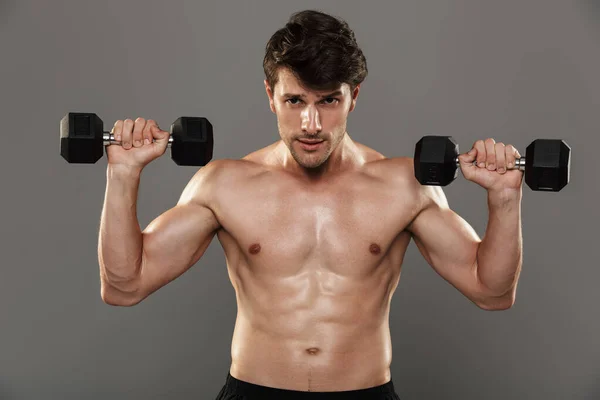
310	141
310	144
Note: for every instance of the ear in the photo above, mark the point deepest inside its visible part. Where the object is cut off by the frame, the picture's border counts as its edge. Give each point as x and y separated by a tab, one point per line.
270	95
354	97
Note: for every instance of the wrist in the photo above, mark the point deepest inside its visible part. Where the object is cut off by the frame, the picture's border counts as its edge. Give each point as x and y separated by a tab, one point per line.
504	197
123	171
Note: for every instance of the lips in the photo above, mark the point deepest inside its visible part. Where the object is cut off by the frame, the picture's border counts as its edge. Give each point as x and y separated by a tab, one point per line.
311	146
310	141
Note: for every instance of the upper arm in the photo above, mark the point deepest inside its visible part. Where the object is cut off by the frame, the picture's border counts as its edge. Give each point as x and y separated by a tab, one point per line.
177	239
447	242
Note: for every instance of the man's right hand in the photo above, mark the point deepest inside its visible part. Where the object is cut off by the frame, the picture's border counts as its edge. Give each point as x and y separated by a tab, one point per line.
142	141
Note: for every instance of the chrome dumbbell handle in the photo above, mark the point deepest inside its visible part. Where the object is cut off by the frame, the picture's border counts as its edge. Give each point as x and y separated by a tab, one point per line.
519	163
108	139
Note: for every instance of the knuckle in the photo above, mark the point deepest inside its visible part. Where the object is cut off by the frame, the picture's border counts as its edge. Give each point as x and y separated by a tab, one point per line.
147	129
490	141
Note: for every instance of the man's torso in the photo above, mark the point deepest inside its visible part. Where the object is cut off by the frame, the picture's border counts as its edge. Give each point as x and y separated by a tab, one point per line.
314	268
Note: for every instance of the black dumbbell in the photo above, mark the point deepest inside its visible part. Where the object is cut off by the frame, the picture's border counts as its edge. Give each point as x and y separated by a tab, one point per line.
547	162
82	139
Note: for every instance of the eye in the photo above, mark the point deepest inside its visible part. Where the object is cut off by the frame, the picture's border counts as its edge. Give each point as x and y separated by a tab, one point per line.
296	100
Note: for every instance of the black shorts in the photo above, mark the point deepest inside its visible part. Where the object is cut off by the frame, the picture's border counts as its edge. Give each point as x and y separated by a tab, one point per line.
235	389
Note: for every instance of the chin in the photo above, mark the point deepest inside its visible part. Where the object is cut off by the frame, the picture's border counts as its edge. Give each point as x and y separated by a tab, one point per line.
313	162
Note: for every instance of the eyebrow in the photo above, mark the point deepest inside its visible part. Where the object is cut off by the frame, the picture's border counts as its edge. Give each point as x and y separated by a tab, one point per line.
336	93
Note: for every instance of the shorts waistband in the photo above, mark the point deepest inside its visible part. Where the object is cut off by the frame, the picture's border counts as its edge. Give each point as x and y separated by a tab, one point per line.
249	389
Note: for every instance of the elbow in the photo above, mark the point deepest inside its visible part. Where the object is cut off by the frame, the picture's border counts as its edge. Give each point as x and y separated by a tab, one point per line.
497	303
114	297
119	303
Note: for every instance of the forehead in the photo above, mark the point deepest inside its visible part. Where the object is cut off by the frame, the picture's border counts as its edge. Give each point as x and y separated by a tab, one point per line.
288	83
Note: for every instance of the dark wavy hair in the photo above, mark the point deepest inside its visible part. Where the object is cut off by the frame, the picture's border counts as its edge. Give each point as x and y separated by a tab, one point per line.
319	49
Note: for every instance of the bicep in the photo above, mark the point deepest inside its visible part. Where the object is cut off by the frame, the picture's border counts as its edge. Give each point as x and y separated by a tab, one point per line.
447	242
177	239
173	242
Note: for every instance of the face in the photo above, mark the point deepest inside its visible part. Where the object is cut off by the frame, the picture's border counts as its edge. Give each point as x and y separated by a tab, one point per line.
308	115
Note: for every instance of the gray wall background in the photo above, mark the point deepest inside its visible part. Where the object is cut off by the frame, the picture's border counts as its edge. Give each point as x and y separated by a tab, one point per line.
512	70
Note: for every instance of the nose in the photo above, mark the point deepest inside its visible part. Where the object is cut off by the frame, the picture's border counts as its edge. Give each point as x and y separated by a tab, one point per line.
311	121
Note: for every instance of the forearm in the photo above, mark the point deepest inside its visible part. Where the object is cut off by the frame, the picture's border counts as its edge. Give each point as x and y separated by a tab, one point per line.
499	256
120	237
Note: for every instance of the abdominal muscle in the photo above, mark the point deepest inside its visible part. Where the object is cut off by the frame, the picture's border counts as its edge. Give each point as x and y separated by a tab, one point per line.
336	361
314	331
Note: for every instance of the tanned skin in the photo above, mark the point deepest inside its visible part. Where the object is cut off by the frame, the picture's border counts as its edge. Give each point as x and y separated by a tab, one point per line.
314	242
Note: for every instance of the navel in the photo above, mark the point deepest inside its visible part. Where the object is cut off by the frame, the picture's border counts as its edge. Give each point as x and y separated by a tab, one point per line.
254	249
374	248
313	351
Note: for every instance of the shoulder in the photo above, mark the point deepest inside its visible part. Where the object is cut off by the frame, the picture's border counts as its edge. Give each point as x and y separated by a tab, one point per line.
221	170
419	197
229	170
395	171
399	174
204	185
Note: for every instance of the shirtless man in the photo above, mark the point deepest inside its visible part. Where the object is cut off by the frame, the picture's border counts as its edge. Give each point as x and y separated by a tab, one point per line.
314	236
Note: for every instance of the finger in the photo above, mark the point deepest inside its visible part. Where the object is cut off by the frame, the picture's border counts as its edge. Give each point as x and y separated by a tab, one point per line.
160	135
468	157
140	123
500	150
490	151
118	130
127	133
147	134
481	154
511	153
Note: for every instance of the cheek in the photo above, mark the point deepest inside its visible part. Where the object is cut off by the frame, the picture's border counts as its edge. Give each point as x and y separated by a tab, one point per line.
281	110
338	121
287	122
